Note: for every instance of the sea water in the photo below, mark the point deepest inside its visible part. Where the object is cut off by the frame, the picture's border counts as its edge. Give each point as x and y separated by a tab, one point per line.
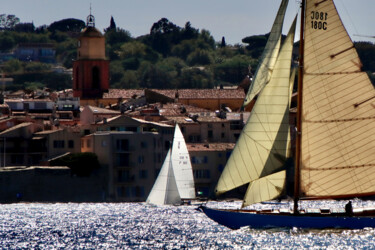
143	226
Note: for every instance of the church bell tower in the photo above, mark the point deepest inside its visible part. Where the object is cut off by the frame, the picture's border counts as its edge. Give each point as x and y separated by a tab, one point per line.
91	69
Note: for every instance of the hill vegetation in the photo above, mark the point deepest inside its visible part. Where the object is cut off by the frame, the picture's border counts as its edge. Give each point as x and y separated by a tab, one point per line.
168	57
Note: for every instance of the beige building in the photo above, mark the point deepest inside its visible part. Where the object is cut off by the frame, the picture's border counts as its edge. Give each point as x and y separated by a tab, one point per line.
59	142
208	161
132	151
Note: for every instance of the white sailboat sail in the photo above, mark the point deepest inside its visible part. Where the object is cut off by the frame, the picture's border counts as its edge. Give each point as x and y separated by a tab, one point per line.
175	180
269	55
182	166
262	148
338	114
165	190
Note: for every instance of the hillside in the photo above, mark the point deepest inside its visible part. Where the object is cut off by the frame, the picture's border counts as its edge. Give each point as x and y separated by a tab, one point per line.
168	57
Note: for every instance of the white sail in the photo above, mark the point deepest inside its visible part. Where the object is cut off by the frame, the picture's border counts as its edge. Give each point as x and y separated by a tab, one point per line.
175	180
269	55
182	166
261	149
165	190
338	114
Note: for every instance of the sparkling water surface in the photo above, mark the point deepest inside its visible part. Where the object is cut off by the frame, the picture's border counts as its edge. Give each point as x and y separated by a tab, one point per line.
143	226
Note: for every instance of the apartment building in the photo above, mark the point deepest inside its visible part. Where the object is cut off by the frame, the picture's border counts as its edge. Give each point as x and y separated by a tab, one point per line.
132	151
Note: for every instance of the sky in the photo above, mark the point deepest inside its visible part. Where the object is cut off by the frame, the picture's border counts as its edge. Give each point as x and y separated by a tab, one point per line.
233	19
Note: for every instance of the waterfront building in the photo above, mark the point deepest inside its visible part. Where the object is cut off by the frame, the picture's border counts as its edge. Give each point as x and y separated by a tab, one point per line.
132	152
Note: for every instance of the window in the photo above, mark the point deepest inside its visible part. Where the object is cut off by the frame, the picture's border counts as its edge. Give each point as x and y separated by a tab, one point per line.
143	144
167	144
88	143
71	144
104	143
199	159
95	77
222	135
122	160
58	144
123	176
210	134
40	105
122	145
141	159
143	174
202	174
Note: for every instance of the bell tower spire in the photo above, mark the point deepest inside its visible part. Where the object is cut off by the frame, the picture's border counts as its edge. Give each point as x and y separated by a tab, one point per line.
90	21
91	69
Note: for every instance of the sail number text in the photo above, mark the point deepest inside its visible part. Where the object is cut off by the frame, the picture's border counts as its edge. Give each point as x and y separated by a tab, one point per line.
318	20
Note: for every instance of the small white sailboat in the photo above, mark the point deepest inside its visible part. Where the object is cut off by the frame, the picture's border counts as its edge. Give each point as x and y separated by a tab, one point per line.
335	143
175	181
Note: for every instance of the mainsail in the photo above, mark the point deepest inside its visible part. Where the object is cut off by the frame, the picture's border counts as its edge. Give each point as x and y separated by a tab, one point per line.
182	166
269	55
165	190
338	114
261	150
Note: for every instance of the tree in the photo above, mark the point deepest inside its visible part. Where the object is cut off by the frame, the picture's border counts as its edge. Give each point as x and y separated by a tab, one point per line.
223	44
6	41
196	78
163	26
199	57
8	22
68	24
24	27
112	25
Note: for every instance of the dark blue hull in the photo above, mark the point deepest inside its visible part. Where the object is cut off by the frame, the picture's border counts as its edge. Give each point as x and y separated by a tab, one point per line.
237	219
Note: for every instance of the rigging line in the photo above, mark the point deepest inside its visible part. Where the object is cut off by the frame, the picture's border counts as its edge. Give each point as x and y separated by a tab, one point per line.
341	52
360	103
317	4
334	73
340	168
342	120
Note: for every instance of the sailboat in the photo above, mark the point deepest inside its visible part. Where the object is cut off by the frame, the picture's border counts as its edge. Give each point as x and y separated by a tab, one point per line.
335	144
175	182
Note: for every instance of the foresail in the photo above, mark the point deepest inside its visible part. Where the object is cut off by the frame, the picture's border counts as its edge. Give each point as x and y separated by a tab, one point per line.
338	118
182	166
264	189
262	146
269	55
164	190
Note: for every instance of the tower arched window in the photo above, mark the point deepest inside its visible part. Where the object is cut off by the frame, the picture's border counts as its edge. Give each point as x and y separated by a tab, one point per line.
96	77
76	80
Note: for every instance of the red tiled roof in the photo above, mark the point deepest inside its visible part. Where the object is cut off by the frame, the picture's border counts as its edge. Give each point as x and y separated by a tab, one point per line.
203	93
210	146
123	93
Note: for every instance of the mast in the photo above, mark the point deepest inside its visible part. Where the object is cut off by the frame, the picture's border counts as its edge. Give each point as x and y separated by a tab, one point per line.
299	111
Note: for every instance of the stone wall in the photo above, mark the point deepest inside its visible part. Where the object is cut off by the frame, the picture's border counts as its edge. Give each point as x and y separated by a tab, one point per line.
49	184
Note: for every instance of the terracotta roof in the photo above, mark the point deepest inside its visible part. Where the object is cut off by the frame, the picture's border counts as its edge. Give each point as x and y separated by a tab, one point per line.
177	109
98	110
203	93
210	146
123	93
46	132
91	32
